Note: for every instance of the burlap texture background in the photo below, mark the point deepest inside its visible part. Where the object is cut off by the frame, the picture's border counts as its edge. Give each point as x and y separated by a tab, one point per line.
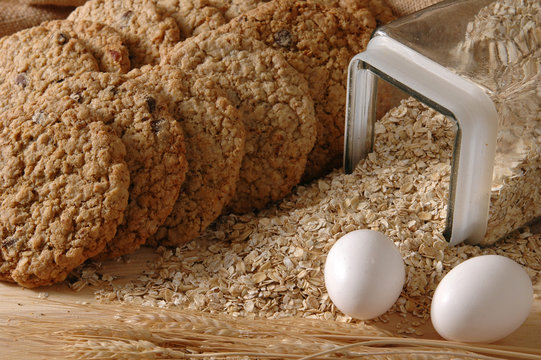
405	7
16	15
20	14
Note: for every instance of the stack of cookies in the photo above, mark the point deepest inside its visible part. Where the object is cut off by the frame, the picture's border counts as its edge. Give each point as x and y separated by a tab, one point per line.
141	121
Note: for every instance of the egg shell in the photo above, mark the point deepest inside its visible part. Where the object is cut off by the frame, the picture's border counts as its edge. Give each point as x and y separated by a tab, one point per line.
483	299
364	274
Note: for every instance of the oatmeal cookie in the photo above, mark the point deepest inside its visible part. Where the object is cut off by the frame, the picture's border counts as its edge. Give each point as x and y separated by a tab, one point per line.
378	8
32	59
144	29
215	140
63	191
233	8
155	149
381	11
101	40
272	100
193	16
319	42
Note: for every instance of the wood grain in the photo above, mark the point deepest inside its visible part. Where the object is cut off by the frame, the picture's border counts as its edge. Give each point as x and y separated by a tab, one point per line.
17	301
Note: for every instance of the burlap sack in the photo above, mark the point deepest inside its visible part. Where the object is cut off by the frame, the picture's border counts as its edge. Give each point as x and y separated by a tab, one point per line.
20	14
405	7
54	2
15	15
400	7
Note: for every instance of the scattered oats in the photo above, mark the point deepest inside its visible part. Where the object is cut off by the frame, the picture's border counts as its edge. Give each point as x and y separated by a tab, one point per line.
78	285
107	277
425	216
43	295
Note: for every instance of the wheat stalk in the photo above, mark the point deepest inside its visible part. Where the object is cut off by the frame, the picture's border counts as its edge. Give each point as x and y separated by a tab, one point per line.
131	332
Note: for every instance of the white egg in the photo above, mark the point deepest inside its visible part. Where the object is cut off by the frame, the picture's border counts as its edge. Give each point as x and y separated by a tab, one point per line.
364	274
483	299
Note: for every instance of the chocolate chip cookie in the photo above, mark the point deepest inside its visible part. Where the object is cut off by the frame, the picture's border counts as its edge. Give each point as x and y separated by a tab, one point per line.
144	29
318	41
63	191
215	140
155	149
101	40
272	100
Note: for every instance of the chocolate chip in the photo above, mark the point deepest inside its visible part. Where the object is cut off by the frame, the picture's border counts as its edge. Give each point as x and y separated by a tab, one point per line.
151	103
21	80
61	39
283	38
156	125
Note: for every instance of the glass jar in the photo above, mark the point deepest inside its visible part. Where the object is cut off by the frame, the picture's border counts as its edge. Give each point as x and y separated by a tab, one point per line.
478	62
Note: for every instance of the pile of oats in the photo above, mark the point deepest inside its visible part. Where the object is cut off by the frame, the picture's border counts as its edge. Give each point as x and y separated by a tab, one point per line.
271	264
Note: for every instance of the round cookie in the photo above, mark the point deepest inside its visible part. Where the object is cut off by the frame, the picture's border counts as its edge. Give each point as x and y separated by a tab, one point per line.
272	99
215	139
63	191
101	40
32	59
233	8
318	42
193	16
144	29
378	8
155	149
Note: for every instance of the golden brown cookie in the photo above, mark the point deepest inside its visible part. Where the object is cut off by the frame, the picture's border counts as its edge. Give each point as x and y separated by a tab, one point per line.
144	29
273	104
215	140
193	16
233	8
32	59
155	149
381	11
318	41
101	40
378	8
63	191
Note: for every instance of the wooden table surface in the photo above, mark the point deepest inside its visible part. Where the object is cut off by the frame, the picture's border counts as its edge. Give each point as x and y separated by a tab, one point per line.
16	301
